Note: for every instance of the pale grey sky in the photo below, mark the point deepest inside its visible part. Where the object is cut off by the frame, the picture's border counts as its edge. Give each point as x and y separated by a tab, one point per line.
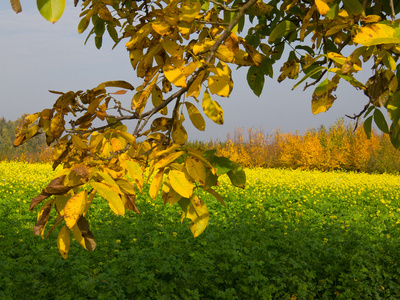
37	56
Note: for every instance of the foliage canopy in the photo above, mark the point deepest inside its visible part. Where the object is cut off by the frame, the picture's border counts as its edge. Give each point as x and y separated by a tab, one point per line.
184	51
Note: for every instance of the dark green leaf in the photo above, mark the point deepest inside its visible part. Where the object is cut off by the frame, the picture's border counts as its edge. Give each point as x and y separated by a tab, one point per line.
380	121
237	175
255	79
368	127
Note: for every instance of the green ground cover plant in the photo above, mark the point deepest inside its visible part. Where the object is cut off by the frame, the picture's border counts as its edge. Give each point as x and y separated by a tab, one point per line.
288	235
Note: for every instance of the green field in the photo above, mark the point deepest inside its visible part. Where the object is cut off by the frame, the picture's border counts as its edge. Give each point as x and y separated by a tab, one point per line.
288	235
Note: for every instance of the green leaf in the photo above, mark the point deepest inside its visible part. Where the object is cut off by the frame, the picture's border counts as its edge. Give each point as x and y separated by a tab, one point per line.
83	24
281	30
222	164
113	33
308	75
380	121
353	7
255	79
237	175
395	134
333	12
98	41
393	107
51	10
368	127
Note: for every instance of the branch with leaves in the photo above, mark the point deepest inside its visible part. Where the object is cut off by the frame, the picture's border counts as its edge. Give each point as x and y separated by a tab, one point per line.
184	50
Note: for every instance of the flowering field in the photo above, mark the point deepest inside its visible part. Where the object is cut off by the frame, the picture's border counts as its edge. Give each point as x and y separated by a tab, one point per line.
288	235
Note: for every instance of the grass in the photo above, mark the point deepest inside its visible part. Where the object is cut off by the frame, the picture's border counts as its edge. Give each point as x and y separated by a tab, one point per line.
288	235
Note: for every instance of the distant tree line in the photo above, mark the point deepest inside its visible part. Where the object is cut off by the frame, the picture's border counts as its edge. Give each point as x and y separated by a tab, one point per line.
338	147
34	150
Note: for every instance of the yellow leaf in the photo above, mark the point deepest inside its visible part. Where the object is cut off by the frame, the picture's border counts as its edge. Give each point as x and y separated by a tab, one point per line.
219	85
212	109
337	57
83	235
189	10
63	241
225	54
161	27
135	56
195	87
167	160
322	6
170	195
174	74
78	236
172	48
139	36
114	200
157	99
255	56
126	187
196	170
180	183
195	116
78	143
190	68
200	217
376	34
141	100
179	134
156	184
74	208
136	172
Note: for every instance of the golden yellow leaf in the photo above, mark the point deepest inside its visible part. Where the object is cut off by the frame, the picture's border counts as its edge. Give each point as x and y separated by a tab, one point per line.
180	183
219	85
135	56
63	241
189	10
179	134
212	109
161	27
196	170
114	200
78	143
174	74
167	160
140	100
74	208
139	36
169	194
195	87
157	99
322	6
199	217
255	56
376	34
156	184
136	172
195	116
190	68
225	54
172	48
126	187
